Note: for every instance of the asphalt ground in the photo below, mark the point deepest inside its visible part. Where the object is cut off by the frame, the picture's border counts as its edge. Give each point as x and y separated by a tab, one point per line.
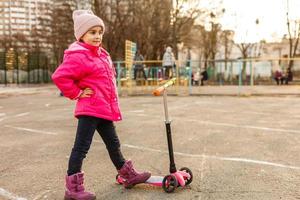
237	147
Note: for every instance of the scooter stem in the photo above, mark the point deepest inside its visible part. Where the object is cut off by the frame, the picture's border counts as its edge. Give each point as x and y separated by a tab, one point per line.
166	106
169	135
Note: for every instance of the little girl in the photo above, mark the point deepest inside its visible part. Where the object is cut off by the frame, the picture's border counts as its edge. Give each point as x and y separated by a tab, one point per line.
87	75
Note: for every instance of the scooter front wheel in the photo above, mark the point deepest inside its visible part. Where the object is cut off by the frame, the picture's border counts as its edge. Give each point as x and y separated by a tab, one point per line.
169	183
187	180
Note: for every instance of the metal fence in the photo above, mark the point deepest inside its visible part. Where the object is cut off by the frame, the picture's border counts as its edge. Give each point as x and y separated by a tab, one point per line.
144	76
24	67
194	73
246	72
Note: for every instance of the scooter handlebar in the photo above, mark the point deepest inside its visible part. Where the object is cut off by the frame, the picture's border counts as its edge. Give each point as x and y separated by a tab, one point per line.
160	89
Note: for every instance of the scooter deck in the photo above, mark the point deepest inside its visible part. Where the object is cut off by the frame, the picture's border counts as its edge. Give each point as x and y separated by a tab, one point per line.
153	180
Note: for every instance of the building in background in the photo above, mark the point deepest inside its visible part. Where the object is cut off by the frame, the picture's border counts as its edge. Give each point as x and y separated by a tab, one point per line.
20	20
23	22
84	4
26	40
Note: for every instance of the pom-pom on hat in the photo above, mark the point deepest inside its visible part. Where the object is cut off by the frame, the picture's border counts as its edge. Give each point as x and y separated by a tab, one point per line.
83	21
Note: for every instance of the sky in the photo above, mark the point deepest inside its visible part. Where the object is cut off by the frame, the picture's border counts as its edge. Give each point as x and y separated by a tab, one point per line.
240	16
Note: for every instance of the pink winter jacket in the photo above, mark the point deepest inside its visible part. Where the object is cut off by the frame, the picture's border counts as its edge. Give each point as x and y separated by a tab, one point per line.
86	66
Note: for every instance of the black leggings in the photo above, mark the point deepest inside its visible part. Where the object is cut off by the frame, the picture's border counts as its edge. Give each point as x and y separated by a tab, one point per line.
84	136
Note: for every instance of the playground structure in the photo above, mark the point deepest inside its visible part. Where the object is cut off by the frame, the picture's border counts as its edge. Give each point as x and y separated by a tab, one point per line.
249	72
36	68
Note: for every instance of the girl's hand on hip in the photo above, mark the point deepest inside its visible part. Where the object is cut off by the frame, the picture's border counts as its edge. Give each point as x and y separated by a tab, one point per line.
87	92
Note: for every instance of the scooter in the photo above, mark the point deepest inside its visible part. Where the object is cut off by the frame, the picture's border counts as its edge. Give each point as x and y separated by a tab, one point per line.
176	178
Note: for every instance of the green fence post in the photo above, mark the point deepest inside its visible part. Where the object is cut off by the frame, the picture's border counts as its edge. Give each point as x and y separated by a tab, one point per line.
38	65
17	63
231	72
5	69
28	67
251	74
240	77
190	79
219	72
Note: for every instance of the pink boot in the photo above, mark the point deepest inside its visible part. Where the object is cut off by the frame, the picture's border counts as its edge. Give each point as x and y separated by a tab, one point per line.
131	176
75	188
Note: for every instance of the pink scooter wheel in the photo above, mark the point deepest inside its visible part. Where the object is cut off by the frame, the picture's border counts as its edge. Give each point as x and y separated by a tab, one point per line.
188	180
169	183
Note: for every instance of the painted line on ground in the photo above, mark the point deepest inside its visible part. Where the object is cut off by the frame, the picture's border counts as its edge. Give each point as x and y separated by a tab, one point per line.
202	170
244	126
4	193
63	109
42	195
17	115
203	161
244	160
31	130
22	114
137	111
245	112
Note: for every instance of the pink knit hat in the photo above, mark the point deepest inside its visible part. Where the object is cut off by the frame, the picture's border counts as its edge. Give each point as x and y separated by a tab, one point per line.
83	21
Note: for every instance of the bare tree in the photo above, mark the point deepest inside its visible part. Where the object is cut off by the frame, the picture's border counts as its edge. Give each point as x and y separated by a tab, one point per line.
62	30
148	23
117	17
208	43
294	35
244	48
226	40
182	22
153	28
206	35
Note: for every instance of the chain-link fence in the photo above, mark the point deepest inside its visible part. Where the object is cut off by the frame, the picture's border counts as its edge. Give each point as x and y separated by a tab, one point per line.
248	71
36	67
193	73
24	67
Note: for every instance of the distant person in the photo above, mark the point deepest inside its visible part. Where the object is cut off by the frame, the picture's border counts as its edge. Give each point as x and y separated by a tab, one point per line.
278	76
204	76
289	76
88	76
139	67
196	78
168	62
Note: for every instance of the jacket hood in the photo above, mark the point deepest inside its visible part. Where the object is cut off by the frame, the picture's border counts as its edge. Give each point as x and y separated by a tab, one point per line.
77	47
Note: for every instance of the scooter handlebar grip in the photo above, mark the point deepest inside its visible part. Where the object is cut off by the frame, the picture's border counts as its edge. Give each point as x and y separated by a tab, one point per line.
158	91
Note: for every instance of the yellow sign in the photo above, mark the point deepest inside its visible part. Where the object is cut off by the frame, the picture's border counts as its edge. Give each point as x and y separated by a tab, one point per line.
130	49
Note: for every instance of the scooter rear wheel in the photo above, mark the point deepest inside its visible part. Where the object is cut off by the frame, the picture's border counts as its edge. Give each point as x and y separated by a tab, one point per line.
187	170
169	183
